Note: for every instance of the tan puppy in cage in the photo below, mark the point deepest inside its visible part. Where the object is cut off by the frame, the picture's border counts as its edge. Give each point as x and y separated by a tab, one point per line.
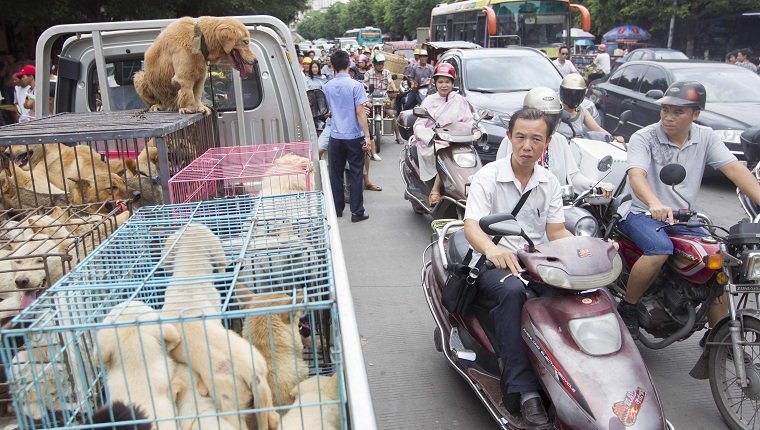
139	370
317	389
233	370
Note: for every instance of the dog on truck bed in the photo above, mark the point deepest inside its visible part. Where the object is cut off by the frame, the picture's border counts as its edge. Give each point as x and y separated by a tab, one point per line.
176	63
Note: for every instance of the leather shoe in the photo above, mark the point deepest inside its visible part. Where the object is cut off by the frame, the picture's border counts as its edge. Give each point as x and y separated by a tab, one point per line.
357	218
533	412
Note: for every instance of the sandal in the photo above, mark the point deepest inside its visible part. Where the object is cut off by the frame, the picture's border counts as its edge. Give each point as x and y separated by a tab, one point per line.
434	198
373	187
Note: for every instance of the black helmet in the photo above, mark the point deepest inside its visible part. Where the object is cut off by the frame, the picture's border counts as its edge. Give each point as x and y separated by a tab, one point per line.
685	93
572	90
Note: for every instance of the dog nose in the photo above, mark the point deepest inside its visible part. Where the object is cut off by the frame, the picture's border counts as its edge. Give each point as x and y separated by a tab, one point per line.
136	196
22	281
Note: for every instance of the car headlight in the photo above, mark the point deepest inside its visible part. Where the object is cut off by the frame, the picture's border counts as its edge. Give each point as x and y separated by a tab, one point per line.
752	265
599	335
553	276
730	136
444	136
476	134
465	159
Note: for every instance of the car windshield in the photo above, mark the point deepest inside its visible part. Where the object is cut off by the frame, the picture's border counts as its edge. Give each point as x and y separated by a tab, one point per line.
512	74
726	84
670	55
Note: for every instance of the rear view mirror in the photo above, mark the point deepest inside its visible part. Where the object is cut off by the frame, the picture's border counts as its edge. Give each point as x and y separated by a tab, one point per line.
500	225
655	94
605	163
371	88
421	112
672	174
487	115
394	76
626	116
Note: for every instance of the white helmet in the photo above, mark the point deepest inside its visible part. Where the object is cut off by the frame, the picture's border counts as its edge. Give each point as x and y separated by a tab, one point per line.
572	90
547	101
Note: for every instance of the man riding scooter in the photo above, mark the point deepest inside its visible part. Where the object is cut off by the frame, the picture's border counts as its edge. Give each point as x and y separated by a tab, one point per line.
499	187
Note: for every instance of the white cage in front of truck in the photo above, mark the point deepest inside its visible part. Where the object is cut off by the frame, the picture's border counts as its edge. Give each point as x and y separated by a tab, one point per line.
219	314
79	158
266	169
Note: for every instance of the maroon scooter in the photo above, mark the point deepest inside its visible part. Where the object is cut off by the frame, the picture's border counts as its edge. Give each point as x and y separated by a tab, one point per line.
592	374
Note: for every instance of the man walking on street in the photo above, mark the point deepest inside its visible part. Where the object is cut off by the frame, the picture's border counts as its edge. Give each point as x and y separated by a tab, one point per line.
349	136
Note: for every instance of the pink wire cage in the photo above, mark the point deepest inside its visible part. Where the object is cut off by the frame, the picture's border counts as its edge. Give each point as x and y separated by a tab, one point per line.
266	169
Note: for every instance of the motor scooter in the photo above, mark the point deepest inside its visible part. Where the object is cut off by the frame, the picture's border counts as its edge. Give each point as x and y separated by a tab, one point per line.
455	163
591	372
319	109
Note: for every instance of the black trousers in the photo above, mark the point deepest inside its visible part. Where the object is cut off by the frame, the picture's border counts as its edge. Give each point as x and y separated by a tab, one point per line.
509	293
341	151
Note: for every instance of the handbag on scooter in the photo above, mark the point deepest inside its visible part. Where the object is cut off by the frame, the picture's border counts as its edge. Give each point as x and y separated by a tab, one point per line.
460	290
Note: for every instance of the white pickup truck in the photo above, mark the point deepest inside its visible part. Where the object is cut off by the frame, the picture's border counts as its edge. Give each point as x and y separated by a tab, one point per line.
95	68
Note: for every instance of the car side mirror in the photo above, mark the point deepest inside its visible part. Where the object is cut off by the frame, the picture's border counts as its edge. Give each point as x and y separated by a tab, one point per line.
655	94
672	174
500	225
421	112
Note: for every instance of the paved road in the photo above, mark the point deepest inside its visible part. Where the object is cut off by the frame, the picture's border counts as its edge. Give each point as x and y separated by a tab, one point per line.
412	386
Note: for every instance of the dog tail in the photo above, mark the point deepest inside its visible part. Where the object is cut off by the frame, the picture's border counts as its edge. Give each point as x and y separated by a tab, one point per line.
262	398
143	89
121	413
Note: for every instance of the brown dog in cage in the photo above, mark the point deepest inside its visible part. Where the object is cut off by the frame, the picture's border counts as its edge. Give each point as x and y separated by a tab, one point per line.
176	63
77	169
285	361
317	389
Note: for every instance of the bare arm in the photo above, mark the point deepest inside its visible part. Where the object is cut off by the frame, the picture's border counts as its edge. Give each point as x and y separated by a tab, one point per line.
638	179
556	231
361	116
501	257
743	179
590	122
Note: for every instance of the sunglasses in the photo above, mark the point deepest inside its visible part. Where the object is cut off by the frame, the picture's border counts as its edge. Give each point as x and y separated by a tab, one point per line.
564	53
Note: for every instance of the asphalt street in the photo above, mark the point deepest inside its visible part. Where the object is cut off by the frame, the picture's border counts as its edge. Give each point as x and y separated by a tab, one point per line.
411	383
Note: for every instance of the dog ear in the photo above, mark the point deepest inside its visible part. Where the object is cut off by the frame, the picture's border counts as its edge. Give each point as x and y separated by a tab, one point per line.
131	165
153	154
81	183
151	143
228	36
105	340
171	337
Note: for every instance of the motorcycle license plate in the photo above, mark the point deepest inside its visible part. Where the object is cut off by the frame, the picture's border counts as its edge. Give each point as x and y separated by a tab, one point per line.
747	288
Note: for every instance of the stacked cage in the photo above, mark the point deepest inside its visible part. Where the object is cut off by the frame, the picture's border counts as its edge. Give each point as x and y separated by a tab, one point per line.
266	169
218	314
78	158
37	247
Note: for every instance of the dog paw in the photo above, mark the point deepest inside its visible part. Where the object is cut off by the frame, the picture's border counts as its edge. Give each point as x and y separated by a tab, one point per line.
154	108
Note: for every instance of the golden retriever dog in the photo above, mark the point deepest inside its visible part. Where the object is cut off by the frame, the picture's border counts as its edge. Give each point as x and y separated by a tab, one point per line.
233	370
288	174
285	361
317	389
14	197
78	169
34	180
40	262
136	360
176	63
192	399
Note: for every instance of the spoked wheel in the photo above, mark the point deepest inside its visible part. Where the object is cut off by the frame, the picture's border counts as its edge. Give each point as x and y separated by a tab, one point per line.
738	405
378	133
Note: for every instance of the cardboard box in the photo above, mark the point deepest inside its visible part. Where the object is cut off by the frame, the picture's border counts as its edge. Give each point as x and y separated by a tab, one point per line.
588	152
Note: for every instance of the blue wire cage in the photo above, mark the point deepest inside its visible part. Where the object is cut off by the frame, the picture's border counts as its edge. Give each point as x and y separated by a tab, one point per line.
217	314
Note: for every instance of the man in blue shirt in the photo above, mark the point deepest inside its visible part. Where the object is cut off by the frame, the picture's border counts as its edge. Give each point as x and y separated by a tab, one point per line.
349	135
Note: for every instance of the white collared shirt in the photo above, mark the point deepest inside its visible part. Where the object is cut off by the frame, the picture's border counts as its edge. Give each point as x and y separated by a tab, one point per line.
495	189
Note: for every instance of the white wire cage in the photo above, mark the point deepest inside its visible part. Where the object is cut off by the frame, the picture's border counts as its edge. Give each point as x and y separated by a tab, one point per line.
217	314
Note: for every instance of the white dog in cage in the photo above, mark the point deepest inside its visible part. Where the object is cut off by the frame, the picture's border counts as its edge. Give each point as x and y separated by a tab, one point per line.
139	370
233	370
318	390
192	398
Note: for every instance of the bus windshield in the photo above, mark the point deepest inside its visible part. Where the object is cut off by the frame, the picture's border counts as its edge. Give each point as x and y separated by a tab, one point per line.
371	37
537	23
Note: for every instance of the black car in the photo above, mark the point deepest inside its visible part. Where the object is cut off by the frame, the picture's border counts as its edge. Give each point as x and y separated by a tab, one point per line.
733	96
650	54
497	79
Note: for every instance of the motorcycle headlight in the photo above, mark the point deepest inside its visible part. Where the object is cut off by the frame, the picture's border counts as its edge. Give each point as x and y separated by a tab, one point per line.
586	227
599	335
752	264
730	136
424	91
553	276
465	159
580	222
444	136
476	134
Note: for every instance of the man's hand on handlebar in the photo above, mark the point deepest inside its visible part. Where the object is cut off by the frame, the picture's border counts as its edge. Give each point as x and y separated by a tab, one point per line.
661	212
503	259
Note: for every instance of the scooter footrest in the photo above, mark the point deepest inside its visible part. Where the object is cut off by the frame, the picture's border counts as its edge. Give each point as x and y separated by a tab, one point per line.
458	348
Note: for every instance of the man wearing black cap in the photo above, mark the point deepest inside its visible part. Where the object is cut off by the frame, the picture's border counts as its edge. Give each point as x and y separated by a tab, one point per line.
674	139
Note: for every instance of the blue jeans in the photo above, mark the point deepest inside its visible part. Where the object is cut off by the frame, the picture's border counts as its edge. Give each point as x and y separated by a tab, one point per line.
642	230
341	151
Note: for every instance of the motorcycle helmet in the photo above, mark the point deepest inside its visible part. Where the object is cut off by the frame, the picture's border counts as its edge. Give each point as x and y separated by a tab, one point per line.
362	58
602	48
685	93
379	58
417	51
423	53
306	60
572	90
445	69
547	101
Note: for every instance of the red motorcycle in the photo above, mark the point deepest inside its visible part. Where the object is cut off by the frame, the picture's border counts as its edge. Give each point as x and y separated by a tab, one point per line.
574	338
676	306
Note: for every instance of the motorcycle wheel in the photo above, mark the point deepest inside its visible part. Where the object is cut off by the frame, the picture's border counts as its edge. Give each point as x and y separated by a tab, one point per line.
378	133
737	405
437	340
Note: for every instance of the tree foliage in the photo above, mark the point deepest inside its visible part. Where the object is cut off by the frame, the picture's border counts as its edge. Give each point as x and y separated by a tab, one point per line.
400	18
46	13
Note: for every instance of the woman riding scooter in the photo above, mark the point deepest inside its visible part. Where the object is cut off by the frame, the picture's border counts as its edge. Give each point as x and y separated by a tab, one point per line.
446	107
572	91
